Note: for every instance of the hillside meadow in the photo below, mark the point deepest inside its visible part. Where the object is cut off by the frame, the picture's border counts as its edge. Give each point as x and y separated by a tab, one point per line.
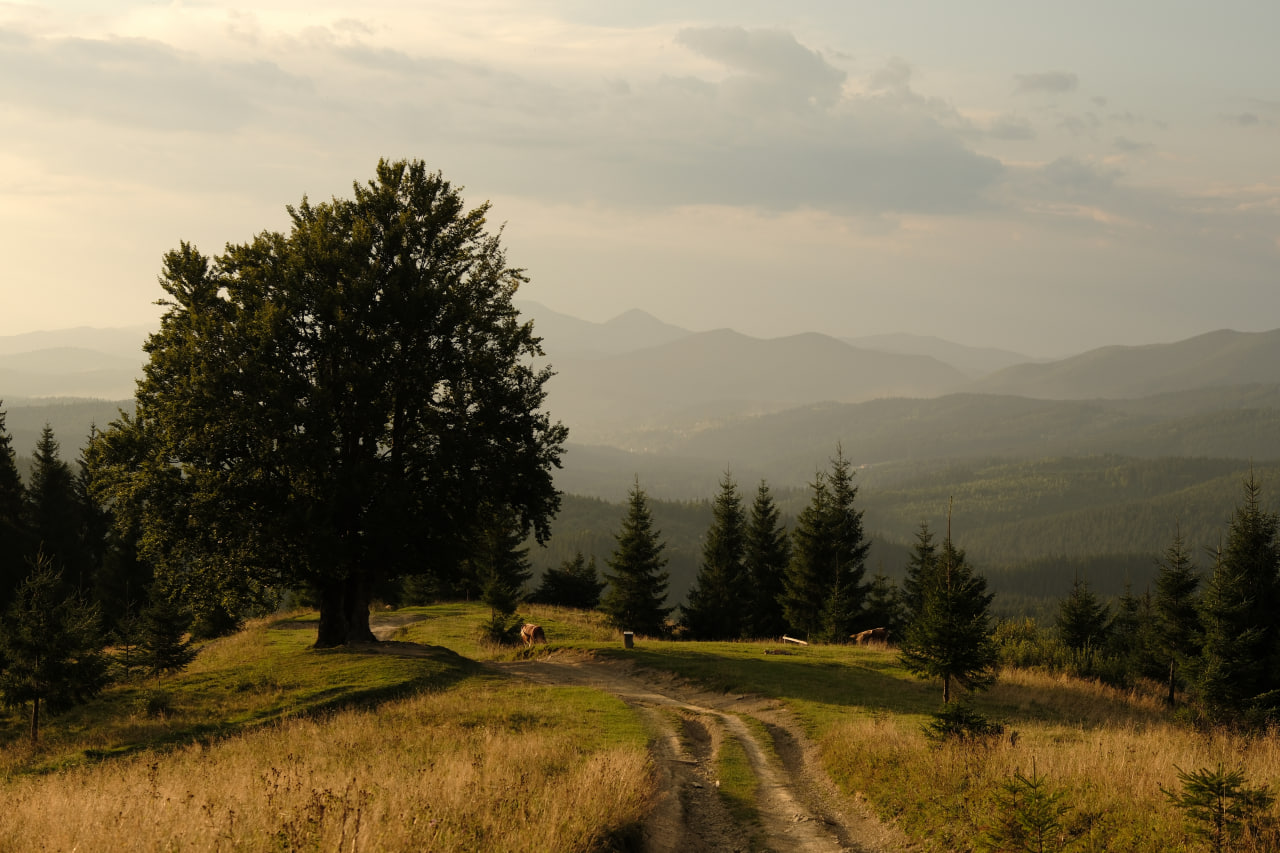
265	744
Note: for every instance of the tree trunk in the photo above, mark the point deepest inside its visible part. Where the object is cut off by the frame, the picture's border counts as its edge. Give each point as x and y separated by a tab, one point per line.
332	630
357	609
35	719
344	612
946	689
1172	664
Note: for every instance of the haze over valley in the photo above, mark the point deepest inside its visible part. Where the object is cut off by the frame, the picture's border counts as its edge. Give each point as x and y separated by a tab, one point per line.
1054	465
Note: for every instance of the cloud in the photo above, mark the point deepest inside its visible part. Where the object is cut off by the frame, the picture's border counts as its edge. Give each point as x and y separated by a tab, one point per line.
1012	127
1128	146
137	83
781	70
777	130
1054	82
1244	119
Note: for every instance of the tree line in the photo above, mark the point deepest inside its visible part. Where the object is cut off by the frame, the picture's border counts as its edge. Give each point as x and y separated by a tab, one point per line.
72	587
1211	638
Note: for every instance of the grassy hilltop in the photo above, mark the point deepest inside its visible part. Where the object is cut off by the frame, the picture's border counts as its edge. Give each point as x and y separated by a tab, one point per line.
266	744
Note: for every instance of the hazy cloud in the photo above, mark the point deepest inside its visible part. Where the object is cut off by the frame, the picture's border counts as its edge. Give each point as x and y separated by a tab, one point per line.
137	83
1129	146
783	71
1055	82
1012	127
1244	119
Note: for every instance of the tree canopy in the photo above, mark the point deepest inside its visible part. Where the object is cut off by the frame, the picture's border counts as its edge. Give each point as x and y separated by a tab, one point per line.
334	404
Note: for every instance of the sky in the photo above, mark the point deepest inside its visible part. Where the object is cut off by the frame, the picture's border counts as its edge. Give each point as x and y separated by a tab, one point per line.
1040	177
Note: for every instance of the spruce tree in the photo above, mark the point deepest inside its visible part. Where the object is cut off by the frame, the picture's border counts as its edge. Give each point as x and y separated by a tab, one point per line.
951	639
162	637
1083	620
575	583
765	559
716	600
1237	669
884	607
13	537
501	565
921	562
1177	622
823	592
638	584
54	513
849	589
807	581
51	645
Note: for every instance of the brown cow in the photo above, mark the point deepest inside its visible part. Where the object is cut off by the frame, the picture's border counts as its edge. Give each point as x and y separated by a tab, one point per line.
874	635
532	634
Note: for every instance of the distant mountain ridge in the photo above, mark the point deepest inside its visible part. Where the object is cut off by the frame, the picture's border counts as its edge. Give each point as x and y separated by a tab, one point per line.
973	361
563	335
1218	358
730	374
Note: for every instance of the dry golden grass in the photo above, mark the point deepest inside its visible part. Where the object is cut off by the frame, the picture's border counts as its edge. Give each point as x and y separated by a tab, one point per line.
1110	750
457	770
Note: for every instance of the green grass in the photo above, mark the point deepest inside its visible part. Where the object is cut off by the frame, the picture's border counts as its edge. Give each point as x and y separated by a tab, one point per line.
738	784
263	674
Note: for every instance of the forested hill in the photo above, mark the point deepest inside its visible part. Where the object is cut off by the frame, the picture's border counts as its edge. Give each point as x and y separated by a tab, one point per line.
1215	359
1030	526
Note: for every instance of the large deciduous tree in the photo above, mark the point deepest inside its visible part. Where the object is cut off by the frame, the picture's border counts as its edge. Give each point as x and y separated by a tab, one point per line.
335	403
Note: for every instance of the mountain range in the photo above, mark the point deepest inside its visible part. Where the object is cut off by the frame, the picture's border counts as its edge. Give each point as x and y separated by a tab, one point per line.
639	393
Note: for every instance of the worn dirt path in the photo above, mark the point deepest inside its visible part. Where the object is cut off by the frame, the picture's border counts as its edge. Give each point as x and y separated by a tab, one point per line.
799	808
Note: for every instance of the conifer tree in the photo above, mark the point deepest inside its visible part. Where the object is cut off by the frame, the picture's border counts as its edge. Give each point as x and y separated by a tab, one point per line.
823	592
884	608
921	562
1177	622
1082	619
13	537
715	602
1236	671
807	581
51	646
575	583
638	584
951	639
162	637
501	566
765	559
849	589
54	513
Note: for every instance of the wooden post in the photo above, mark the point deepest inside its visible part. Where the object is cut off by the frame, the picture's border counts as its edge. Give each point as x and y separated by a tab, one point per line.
628	639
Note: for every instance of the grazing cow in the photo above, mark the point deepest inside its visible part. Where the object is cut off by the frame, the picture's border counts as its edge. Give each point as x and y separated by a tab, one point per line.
874	635
532	634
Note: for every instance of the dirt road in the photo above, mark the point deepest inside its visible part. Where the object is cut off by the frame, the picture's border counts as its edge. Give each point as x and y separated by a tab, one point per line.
800	810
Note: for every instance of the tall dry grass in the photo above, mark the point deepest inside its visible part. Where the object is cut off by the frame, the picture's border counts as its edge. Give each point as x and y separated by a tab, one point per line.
1111	751
427	773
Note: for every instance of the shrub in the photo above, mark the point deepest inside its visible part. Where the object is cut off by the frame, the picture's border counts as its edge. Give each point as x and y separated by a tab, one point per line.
956	721
1221	807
